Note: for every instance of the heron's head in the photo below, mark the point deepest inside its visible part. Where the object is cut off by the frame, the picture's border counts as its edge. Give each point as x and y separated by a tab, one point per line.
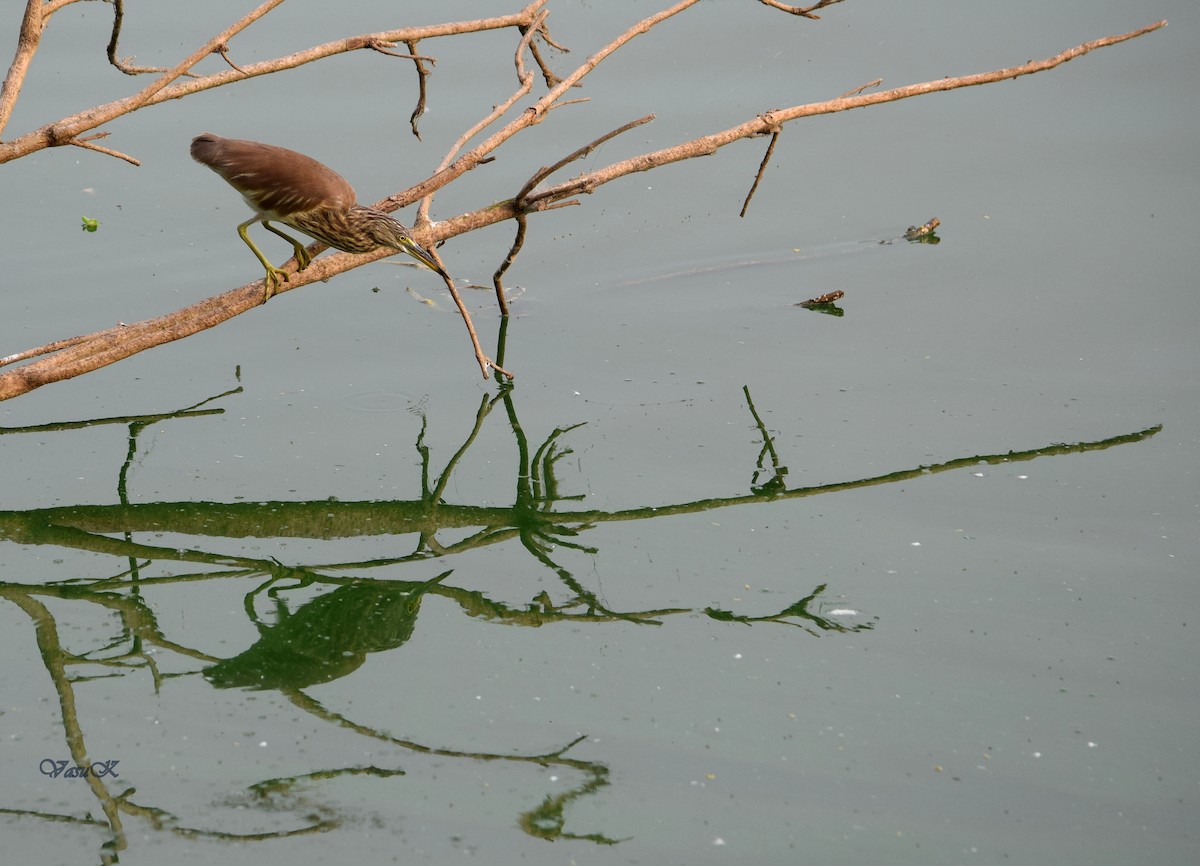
389	232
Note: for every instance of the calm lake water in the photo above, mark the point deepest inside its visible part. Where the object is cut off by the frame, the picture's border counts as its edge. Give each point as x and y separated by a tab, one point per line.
720	579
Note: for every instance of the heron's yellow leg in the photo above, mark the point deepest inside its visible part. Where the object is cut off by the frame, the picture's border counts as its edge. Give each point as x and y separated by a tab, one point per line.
271	281
302	256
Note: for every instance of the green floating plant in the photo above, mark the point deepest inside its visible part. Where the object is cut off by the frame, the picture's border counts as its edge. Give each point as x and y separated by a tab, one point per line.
90	225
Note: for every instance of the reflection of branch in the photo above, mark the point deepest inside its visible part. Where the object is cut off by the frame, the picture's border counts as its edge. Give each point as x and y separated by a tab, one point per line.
702	505
71	526
774	484
54	658
540	528
595	774
431	497
277	793
543	612
799	610
145	420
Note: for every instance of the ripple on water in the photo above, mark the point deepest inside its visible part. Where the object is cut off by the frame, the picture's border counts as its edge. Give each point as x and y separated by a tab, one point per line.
387	402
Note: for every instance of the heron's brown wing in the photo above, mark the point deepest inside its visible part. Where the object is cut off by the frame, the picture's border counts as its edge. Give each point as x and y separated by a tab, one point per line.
275	181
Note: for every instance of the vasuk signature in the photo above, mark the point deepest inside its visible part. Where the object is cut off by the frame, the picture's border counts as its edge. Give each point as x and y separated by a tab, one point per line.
66	770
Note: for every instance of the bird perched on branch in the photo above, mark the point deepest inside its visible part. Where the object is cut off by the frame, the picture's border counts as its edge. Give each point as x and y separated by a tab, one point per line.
286	187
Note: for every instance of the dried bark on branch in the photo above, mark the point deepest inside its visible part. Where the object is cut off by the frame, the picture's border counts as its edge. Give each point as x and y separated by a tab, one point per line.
82	354
167	86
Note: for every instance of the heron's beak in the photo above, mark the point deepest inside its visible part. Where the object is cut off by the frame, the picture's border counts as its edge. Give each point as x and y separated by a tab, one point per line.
420	254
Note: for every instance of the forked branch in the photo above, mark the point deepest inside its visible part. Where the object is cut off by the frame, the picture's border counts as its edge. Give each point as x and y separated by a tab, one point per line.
763	124
167	86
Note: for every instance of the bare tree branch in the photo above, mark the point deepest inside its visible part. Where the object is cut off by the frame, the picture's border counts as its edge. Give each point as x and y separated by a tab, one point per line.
82	354
28	39
167	87
63	131
524	85
767	122
530	117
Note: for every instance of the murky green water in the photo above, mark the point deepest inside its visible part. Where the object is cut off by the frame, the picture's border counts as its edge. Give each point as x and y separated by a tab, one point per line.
720	579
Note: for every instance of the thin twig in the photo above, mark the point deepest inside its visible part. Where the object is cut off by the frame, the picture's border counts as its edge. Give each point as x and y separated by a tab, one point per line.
530	117
56	346
497	277
524	85
862	87
386	48
548	75
762	167
223	50
542	173
521	197
422	82
108	151
128	69
802	11
485	363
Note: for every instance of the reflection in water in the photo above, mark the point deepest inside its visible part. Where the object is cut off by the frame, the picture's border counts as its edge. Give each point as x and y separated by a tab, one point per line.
330	635
327	638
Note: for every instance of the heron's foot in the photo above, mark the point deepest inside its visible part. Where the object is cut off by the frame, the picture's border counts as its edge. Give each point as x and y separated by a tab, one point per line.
271	282
303	259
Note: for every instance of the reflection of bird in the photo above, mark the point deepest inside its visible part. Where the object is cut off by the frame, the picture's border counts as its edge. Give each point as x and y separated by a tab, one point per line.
327	637
283	186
